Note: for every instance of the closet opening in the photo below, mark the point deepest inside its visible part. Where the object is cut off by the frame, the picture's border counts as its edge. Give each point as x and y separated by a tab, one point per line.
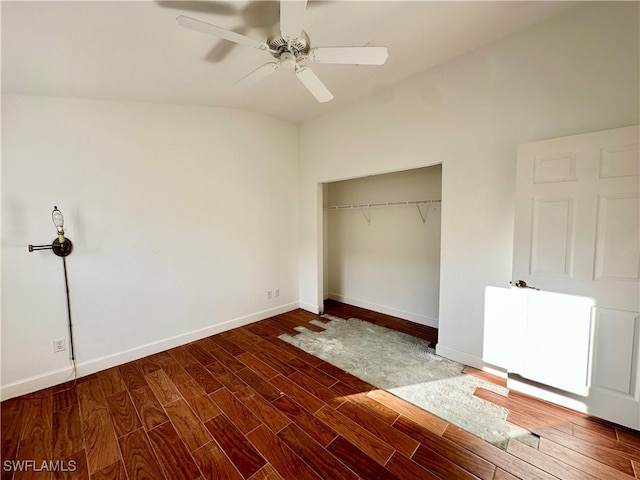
381	243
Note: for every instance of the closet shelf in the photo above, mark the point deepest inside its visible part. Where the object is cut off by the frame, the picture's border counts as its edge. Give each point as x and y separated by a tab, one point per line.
368	206
385	204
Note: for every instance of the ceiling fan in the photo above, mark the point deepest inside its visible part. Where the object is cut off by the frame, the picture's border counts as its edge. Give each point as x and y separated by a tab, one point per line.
290	45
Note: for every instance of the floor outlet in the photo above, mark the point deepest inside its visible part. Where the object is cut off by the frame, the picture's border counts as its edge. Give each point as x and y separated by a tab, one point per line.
59	345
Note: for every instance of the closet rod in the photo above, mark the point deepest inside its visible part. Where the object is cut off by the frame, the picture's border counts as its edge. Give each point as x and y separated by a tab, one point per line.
385	204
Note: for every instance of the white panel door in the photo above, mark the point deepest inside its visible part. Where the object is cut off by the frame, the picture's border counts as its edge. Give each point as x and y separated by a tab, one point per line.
577	239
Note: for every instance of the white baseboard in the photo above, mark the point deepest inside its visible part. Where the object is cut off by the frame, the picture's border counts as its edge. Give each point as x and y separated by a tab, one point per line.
37	382
309	307
56	377
462	357
412	317
470	360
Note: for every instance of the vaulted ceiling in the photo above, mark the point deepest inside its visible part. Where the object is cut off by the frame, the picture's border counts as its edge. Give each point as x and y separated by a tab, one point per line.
136	51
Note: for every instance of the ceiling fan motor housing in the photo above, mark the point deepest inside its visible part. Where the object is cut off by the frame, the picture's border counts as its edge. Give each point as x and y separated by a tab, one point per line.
297	49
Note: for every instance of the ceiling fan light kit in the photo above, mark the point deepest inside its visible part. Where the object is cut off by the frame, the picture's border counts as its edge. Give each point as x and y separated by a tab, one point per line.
290	46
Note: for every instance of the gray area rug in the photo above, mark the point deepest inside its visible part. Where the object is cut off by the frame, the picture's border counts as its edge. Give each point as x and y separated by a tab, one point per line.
406	367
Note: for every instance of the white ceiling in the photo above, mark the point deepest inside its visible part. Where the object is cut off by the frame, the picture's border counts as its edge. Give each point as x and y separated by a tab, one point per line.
135	50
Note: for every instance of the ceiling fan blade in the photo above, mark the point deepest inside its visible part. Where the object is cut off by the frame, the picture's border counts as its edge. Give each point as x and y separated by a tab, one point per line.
223	33
291	18
258	74
350	55
313	84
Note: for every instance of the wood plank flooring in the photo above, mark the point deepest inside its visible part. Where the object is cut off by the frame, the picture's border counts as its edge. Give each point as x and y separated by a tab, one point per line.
245	405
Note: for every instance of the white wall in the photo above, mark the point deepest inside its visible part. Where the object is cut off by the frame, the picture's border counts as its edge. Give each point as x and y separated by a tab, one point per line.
577	72
181	217
181	223
385	258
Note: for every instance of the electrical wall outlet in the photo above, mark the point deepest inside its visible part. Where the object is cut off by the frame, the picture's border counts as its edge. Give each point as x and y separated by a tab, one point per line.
269	294
276	292
59	345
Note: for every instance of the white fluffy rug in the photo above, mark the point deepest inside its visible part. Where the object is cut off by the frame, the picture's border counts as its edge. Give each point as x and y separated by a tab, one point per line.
408	368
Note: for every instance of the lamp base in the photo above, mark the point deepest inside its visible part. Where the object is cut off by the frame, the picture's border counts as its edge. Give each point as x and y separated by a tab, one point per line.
62	249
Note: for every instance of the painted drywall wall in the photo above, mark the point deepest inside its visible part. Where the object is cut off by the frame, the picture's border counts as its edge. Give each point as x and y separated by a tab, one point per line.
386	259
574	73
182	218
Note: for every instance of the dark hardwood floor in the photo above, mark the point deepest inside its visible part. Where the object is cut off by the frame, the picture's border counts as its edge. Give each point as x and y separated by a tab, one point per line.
245	405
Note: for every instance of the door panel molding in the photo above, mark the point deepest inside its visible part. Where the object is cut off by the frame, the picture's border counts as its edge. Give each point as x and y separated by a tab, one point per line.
614	350
552	233
620	161
618	237
555	168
